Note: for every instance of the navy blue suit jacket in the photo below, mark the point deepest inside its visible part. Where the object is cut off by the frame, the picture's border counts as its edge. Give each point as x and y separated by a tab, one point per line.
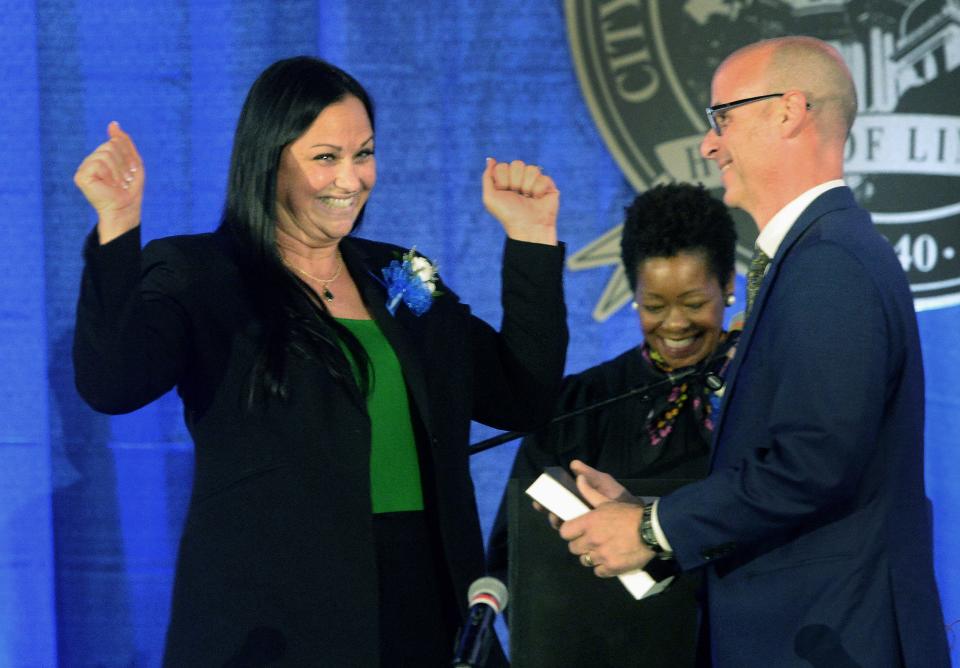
814	522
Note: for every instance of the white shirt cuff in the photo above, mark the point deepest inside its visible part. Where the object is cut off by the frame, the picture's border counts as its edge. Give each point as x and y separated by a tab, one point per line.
657	531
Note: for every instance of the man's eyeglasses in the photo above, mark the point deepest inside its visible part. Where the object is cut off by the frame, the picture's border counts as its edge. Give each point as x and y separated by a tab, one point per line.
727	106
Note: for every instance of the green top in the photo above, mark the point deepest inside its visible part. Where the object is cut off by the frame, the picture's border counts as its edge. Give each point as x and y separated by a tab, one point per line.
394	469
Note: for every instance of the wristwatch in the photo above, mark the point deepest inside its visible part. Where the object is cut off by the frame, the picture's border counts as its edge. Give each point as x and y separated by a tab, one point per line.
649	536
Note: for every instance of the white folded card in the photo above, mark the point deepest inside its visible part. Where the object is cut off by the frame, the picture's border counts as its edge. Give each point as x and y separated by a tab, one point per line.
556	491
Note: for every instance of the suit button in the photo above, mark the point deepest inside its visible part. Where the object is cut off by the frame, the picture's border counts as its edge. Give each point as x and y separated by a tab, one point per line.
718	551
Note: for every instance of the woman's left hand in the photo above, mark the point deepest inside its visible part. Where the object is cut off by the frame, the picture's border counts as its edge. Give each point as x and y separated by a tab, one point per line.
523	199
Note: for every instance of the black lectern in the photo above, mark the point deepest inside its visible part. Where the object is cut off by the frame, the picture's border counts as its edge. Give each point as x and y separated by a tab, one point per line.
561	614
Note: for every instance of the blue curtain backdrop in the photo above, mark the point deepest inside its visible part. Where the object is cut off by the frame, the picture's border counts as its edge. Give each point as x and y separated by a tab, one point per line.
91	506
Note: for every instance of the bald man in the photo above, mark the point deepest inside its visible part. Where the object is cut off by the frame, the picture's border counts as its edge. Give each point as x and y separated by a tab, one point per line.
813	527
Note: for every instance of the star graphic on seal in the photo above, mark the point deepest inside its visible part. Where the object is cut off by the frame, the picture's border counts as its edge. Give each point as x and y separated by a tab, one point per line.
603	251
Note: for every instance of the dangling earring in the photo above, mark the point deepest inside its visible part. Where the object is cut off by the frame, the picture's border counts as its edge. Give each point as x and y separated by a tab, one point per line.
730	299
635	306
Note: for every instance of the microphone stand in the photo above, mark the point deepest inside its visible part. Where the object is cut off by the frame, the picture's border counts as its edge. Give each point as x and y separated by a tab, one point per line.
671	379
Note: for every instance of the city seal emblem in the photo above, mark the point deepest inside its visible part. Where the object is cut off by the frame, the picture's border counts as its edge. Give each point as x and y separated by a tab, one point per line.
644	67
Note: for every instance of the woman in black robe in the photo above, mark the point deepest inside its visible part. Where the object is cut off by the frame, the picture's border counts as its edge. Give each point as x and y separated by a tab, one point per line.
678	251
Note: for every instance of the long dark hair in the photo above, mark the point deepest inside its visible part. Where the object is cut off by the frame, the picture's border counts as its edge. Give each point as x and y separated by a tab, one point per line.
281	105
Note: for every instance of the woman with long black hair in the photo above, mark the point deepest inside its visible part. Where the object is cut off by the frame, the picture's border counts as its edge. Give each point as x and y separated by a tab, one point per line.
328	383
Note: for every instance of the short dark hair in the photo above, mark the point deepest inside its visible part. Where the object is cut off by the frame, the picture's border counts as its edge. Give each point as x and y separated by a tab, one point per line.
281	105
678	217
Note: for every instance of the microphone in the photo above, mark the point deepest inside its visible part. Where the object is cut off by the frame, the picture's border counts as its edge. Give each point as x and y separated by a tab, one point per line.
487	597
711	370
713	382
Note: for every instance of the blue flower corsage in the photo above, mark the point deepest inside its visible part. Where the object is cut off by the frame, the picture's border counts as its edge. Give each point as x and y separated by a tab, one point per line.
413	280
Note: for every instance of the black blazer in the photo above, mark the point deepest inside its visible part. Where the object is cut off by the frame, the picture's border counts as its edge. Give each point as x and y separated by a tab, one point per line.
278	546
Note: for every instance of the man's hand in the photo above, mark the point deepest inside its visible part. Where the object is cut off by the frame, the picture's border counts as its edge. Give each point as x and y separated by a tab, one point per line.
608	537
600	483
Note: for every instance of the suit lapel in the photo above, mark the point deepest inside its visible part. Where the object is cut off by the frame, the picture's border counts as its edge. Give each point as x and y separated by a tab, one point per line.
836	198
397	329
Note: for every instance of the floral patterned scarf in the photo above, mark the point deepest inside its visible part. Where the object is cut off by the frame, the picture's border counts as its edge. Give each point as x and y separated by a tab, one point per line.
691	390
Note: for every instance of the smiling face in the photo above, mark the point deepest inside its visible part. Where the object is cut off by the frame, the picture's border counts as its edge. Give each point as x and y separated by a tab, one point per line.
681	307
326	175
746	153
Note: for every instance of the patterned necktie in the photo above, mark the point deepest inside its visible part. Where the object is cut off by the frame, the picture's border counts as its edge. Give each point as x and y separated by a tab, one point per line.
758	265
